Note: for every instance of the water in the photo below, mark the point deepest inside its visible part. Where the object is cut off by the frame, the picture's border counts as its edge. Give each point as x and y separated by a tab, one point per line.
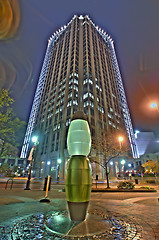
57	225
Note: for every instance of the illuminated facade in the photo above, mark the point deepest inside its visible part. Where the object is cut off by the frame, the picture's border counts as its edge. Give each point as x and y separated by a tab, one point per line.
80	72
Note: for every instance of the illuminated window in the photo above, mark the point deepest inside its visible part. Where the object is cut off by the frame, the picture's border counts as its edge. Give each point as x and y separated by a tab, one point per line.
91	95
110	123
91	104
85	95
86	104
75	102
70	95
68	121
69	103
75	88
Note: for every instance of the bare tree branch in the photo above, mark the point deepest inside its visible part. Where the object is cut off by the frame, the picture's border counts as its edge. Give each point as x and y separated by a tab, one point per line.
107	148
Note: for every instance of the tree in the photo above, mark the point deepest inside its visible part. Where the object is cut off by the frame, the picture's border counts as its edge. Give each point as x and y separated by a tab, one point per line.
5	169
10	125
10	150
152	166
140	169
108	147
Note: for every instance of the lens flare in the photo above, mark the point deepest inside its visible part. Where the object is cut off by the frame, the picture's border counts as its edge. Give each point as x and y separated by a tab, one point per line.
10	18
7	74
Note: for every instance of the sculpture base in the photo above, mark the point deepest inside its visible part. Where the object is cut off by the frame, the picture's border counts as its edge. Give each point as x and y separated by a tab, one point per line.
78	210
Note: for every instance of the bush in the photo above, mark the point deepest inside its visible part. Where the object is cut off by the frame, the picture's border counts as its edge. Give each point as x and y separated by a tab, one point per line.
149	175
150	181
126	185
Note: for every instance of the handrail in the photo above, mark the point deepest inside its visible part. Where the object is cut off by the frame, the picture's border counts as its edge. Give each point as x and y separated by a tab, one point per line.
11	185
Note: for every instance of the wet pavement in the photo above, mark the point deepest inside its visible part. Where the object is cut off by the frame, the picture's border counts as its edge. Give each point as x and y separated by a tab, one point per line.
110	216
52	222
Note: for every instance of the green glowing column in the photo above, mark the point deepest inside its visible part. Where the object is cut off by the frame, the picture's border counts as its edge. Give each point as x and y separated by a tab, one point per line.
78	172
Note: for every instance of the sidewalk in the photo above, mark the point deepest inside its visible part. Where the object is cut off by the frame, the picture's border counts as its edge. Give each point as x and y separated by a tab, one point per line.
138	211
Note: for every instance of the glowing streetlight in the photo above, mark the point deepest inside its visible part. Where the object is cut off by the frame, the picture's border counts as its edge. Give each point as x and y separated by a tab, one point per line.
34	139
59	161
154	106
120	138
123	162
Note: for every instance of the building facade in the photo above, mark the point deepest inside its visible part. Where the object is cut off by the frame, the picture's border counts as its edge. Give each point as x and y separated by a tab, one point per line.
146	143
80	72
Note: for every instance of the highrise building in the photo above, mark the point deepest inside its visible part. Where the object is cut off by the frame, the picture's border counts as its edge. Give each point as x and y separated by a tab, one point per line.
80	72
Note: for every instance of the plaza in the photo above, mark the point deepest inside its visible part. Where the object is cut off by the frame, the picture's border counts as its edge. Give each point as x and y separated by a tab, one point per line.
111	215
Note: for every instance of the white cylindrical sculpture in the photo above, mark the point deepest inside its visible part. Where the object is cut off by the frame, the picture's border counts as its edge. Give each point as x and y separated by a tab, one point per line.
79	138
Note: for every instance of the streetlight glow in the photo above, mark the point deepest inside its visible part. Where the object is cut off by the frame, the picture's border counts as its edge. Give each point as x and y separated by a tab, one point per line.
59	161
34	139
120	139
153	105
123	162
48	163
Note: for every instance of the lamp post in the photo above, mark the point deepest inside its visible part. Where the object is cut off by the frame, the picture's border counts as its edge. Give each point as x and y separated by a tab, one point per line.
31	159
120	139
122	163
58	170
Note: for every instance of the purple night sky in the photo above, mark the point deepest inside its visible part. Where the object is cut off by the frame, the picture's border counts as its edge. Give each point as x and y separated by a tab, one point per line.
133	25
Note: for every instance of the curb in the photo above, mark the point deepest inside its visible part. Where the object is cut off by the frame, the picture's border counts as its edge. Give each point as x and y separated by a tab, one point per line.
123	190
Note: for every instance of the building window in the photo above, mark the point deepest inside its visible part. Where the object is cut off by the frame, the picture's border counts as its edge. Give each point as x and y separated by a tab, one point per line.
92	111
86	110
68	111
92	122
92	132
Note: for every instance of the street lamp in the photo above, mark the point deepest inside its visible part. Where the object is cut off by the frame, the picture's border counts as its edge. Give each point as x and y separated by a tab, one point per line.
34	139
120	138
31	159
48	163
58	170
154	105
122	163
59	161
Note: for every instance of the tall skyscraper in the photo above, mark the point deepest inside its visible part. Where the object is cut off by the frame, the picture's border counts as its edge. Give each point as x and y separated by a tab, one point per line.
80	72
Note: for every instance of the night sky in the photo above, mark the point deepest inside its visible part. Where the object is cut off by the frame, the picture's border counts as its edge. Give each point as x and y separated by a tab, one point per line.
133	25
